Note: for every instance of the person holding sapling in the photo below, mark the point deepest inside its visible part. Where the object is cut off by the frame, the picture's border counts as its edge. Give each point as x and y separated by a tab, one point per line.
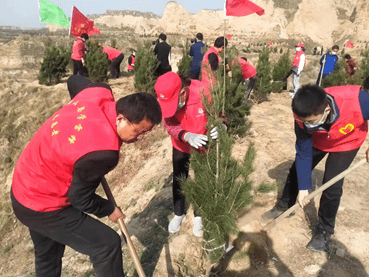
184	117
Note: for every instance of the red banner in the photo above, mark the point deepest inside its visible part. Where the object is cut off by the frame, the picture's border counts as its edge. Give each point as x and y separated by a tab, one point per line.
349	44
81	24
242	8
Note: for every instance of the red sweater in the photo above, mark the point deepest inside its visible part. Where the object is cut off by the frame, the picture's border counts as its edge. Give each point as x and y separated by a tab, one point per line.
111	52
78	51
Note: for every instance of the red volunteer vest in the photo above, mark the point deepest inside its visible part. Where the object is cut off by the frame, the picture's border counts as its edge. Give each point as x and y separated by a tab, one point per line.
44	170
296	59
192	116
206	72
111	52
78	50
130	67
247	69
350	130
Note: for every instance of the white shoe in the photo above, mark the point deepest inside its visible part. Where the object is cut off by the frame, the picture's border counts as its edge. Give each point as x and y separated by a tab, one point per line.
175	223
198	229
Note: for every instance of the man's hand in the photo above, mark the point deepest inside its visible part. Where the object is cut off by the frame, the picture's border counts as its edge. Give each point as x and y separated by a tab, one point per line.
83	62
367	155
301	196
116	215
195	140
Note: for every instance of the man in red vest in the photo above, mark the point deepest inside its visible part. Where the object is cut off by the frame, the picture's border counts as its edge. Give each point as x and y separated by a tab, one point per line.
184	117
330	122
248	73
210	62
79	54
56	176
298	66
115	57
131	61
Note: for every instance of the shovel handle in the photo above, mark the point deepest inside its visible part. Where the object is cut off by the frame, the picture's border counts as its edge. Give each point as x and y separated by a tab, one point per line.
314	193
123	228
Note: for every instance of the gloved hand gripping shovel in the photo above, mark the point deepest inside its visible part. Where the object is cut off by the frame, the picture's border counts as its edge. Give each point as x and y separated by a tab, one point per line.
123	228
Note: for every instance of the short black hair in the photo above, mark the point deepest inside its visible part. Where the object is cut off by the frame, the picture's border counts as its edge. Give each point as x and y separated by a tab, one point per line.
244	58
139	106
219	42
335	47
163	37
347	56
85	36
199	36
309	100
185	81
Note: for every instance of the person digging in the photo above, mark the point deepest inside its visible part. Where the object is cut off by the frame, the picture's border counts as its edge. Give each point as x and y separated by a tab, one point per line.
184	118
56	176
333	123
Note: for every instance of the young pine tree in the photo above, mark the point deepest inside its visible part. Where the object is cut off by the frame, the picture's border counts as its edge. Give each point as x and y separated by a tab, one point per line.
338	77
145	69
280	71
263	86
221	186
54	65
184	65
97	62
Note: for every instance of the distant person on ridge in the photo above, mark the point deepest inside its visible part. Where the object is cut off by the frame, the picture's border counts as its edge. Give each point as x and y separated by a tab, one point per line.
211	61
116	57
79	55
131	60
328	63
162	52
196	53
298	66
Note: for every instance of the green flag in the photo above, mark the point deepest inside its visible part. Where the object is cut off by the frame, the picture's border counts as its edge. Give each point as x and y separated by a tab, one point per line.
52	14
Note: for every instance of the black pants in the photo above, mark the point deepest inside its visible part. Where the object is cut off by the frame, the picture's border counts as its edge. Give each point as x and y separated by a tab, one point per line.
115	66
78	68
252	82
181	165
331	197
52	231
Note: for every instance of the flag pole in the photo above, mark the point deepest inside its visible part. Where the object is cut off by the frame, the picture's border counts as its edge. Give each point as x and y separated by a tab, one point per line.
224	55
70	25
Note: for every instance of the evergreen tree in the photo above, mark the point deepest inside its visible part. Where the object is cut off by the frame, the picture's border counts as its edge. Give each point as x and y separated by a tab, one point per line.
338	77
263	85
364	66
221	186
97	62
146	64
184	65
280	71
54	64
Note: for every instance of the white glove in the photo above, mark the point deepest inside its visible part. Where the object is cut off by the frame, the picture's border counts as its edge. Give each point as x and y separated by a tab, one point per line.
214	133
195	140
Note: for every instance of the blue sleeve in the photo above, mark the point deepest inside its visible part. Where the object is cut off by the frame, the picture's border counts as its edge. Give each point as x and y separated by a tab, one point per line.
321	59
191	51
364	103
304	157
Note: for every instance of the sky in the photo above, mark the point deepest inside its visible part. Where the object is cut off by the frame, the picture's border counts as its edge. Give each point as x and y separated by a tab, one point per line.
25	13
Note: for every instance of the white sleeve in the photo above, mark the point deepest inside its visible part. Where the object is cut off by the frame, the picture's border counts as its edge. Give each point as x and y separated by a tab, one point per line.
302	63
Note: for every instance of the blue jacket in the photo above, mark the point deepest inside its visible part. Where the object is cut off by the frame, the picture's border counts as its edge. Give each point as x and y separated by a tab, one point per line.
330	63
197	54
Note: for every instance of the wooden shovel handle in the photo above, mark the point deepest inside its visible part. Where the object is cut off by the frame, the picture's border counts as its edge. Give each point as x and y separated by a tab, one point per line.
123	228
313	194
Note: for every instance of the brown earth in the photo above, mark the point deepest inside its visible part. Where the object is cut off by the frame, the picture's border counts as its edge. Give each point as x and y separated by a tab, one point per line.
141	184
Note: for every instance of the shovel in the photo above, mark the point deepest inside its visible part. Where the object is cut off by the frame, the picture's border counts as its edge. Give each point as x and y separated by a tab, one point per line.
313	194
123	228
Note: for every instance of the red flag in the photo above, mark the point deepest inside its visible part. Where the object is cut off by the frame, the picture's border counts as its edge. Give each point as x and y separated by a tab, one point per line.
349	44
228	36
81	24
242	8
